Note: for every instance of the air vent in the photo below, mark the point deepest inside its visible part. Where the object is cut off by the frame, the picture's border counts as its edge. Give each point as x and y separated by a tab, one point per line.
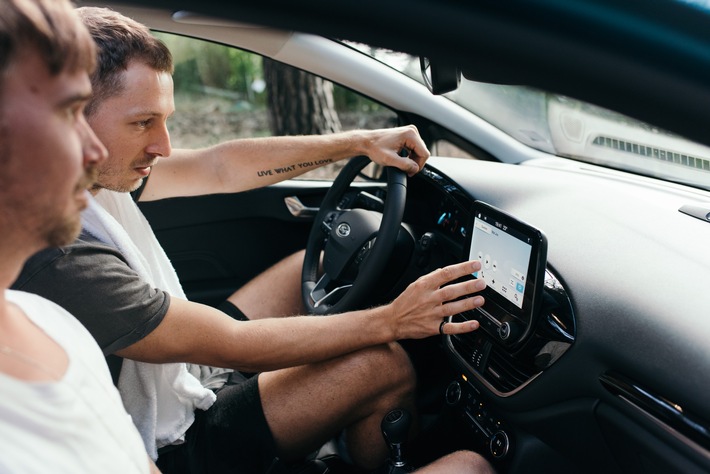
492	365
472	348
465	346
505	374
653	152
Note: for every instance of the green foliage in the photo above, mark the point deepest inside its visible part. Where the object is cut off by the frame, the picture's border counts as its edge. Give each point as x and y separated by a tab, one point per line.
347	100
201	65
215	69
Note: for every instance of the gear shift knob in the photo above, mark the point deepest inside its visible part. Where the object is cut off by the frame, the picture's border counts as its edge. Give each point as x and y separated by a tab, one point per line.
395	429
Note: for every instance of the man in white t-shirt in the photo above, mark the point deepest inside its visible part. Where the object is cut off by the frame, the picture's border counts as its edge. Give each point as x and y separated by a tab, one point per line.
59	411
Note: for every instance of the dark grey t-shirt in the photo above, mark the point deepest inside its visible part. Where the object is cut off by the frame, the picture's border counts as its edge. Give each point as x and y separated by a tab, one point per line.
94	283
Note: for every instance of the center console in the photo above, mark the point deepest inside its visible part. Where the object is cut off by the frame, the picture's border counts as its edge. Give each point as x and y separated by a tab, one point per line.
526	323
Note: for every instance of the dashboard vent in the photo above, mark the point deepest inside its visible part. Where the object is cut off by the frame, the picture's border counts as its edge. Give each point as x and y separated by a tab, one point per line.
491	364
466	347
505	374
653	152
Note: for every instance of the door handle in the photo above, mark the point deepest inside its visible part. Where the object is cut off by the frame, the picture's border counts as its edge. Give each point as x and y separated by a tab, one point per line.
298	209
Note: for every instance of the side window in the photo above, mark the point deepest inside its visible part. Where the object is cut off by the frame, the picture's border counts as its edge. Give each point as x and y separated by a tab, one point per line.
446	148
222	92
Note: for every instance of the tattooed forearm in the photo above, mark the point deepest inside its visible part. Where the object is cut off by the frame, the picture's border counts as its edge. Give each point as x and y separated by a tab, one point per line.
287	169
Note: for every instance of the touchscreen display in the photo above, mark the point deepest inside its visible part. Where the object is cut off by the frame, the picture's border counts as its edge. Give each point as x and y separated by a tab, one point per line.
513	258
504	258
504	254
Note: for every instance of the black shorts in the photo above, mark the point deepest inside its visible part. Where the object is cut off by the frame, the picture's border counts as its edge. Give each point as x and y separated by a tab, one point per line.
232	436
229	308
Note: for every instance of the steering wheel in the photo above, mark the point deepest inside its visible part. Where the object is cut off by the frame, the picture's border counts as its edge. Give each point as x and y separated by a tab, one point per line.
356	244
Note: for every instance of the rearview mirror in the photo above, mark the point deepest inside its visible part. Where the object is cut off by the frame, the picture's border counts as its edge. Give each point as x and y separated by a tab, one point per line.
439	77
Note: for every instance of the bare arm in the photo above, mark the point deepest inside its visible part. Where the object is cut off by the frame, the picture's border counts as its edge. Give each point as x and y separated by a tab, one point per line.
239	165
191	332
153	468
462	462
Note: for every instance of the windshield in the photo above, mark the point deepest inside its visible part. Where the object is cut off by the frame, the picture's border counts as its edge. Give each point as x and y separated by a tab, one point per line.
571	128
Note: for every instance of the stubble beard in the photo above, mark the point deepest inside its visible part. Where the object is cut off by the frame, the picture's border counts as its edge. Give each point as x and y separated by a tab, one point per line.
52	229
111	180
66	229
64	232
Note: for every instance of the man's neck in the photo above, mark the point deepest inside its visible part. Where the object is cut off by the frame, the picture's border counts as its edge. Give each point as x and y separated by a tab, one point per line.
10	268
26	351
14	251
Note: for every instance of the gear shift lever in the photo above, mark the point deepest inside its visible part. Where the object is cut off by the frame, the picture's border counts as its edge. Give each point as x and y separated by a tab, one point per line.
395	428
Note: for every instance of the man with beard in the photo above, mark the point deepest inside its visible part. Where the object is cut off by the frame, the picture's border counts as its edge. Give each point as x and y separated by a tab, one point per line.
59	411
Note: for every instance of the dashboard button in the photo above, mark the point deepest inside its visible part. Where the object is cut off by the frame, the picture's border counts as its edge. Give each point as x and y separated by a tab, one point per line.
453	393
499	444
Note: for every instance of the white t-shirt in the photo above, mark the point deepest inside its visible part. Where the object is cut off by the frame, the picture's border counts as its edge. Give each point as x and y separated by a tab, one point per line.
75	425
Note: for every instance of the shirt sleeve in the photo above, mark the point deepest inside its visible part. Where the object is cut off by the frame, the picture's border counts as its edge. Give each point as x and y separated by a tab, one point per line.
94	283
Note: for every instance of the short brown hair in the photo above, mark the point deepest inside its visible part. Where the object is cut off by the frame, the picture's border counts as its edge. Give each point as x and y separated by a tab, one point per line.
52	28
120	40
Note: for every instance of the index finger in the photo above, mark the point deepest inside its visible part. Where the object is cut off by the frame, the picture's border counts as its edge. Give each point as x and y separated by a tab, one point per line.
451	328
454	272
419	155
416	149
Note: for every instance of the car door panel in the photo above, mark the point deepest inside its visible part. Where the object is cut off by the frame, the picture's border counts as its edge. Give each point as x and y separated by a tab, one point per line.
219	242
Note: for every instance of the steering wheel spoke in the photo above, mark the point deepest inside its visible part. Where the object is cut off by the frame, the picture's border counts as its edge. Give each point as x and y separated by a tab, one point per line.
365	251
320	295
326	224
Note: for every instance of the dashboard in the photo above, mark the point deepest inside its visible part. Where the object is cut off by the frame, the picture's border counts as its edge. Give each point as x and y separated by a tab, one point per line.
592	350
517	341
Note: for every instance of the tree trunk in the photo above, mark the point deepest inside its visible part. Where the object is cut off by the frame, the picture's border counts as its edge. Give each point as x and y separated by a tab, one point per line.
299	103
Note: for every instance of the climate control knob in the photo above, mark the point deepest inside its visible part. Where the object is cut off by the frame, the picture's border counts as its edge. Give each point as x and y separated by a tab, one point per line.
453	393
499	444
508	331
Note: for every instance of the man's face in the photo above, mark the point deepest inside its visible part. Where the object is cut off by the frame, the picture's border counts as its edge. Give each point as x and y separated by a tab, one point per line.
48	152
133	126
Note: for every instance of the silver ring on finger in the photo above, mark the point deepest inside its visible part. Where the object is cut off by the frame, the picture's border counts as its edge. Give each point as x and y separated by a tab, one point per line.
441	327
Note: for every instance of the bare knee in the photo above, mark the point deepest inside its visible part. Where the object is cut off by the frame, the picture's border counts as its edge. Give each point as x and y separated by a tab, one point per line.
459	461
391	362
276	292
386	376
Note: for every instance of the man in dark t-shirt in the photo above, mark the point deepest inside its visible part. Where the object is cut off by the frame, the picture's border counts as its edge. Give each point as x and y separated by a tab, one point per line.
106	281
317	376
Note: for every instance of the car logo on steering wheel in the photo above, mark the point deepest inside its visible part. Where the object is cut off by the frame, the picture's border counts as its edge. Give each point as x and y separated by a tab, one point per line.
343	230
